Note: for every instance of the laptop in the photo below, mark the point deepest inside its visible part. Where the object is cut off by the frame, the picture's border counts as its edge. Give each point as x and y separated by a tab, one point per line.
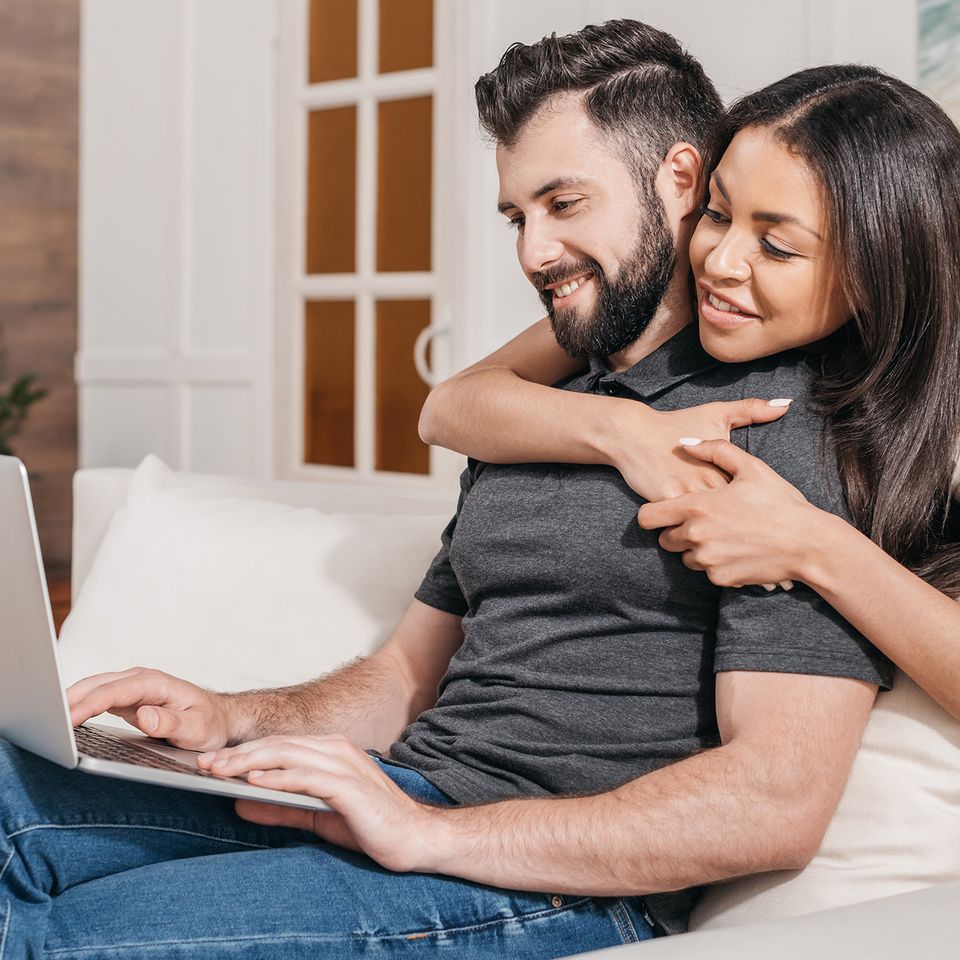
34	713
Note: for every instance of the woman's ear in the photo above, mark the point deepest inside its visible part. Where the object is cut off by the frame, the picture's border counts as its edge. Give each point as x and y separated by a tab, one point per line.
678	181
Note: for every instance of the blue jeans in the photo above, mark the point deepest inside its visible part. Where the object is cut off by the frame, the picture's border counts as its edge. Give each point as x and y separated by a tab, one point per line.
97	868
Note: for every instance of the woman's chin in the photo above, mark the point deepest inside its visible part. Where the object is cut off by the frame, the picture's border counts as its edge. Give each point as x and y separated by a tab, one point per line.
734	346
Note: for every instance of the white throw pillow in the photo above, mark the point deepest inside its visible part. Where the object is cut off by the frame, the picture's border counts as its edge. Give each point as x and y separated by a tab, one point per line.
233	593
897	827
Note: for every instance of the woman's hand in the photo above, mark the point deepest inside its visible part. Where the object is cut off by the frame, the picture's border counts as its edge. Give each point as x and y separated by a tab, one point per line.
758	529
643	443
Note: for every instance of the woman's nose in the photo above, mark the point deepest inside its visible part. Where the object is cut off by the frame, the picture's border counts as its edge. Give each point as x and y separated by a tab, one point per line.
728	259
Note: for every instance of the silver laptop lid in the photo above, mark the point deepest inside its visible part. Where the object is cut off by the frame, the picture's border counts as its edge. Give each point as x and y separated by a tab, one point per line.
33	706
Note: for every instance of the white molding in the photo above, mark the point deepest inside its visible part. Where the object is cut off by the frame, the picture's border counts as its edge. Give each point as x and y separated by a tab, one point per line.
128	367
400	286
382	86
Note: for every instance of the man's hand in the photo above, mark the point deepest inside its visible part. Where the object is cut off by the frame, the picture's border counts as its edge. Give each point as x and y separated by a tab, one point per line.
370	812
159	705
645	444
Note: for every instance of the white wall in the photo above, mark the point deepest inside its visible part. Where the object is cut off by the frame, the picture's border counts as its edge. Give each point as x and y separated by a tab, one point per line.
178	130
176	238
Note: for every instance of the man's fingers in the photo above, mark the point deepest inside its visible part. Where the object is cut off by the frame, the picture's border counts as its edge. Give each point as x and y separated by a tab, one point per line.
274	815
129	690
741	413
77	691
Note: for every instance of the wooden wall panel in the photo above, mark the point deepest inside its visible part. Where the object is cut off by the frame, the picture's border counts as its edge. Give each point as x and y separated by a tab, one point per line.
39	67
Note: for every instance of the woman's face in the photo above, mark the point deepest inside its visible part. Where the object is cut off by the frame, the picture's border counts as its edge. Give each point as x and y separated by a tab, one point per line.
765	274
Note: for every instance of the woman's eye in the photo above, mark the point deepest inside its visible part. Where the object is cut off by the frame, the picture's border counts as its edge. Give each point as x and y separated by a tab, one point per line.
774	251
712	214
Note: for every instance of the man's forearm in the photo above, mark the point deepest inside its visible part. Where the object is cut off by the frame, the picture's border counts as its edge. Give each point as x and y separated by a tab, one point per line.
697	821
367	700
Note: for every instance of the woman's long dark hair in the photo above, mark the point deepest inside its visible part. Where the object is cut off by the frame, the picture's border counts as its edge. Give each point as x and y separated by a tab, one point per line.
888	159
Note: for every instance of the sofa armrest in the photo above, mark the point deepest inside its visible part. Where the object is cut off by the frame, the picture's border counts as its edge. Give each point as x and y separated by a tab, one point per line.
917	924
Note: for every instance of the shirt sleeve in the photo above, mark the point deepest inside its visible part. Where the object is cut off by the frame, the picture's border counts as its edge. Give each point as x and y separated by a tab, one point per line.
440	587
795	631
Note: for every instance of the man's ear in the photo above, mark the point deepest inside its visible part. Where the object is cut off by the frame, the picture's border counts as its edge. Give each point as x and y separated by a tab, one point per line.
678	180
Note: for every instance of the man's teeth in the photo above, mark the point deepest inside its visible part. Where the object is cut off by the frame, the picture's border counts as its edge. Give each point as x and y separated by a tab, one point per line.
722	304
567	288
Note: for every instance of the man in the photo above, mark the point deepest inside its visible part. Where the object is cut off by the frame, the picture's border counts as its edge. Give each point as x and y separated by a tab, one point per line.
573	779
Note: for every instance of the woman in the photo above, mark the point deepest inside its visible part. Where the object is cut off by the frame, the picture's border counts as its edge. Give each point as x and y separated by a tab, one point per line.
853	253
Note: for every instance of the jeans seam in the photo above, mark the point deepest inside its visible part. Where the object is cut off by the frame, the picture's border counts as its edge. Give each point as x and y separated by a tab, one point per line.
125	826
621	916
6	864
322	938
6	927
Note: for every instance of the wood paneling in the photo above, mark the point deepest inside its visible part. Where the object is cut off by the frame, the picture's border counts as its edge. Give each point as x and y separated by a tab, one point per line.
329	382
39	67
404	183
333	40
332	191
400	391
406	35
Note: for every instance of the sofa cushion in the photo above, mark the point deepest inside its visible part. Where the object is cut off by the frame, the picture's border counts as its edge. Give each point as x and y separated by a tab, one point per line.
233	592
897	827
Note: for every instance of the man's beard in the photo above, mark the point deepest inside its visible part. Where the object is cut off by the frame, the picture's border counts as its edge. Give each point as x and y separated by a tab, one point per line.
626	305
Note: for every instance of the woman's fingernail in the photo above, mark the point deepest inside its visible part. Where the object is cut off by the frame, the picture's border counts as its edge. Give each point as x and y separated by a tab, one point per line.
786	584
769	587
149	718
689	441
780	402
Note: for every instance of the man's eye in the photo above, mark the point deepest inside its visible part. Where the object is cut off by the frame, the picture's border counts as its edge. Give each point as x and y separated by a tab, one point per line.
515	223
712	214
559	206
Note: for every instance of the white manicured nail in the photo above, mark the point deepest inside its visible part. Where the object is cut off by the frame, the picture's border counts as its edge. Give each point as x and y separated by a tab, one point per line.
769	587
690	441
781	402
786	584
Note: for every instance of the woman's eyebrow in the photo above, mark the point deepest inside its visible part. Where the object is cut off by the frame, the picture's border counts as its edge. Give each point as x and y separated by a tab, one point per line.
764	216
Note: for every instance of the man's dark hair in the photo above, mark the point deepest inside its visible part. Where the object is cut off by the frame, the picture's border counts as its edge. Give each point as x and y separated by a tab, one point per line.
639	86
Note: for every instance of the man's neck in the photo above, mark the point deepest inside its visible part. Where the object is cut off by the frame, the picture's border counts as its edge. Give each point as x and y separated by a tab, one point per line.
671	317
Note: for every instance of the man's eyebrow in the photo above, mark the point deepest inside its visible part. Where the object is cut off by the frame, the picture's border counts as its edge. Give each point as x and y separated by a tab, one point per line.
559	183
764	216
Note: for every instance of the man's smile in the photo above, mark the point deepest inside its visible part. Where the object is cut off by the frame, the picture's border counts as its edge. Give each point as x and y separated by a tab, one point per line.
563	290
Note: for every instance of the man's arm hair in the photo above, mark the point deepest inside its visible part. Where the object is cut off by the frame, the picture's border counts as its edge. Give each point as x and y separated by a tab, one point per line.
372	699
761	801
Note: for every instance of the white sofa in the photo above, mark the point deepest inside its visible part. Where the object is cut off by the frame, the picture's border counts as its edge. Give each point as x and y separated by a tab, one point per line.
235	584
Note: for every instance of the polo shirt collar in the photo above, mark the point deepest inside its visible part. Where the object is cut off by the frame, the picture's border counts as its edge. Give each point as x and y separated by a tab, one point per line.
679	359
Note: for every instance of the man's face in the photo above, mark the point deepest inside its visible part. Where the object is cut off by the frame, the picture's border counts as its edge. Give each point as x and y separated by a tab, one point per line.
600	257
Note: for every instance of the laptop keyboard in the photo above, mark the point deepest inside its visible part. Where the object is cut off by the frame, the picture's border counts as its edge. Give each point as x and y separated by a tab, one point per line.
101	746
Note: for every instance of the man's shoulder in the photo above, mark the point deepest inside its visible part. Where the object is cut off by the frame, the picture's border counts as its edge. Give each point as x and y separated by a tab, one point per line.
798	445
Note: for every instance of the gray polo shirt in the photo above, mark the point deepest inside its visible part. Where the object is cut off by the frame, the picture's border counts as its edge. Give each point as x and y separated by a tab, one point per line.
589	652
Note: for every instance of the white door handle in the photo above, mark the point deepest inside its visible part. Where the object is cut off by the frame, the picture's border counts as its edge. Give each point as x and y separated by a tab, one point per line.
420	345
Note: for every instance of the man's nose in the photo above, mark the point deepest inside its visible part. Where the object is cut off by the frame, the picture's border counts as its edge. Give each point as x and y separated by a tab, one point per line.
538	247
729	259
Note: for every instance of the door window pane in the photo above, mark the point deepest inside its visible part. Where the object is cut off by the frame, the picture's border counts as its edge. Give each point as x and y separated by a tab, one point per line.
405	131
331	191
333	40
329	382
406	34
400	391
